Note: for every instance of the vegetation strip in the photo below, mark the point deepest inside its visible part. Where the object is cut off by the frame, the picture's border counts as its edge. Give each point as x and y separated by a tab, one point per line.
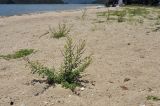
18	54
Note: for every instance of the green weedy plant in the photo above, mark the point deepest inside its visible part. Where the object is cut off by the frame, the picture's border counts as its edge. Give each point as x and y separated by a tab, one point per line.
73	64
43	71
70	71
62	31
18	54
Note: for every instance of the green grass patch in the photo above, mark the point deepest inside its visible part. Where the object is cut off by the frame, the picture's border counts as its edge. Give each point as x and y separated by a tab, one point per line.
18	54
125	14
140	11
153	98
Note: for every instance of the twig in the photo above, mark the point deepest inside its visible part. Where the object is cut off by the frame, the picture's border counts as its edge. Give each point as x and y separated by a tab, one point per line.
44	34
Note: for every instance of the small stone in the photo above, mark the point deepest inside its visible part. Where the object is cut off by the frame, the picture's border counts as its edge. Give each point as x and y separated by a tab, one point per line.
45	102
142	105
147	32
128	43
77	93
11	103
111	82
126	79
69	96
93	83
36	94
141	56
59	101
150	89
82	89
124	87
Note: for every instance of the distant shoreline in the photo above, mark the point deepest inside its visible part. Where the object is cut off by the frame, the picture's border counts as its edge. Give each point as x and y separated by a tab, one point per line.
51	1
38	13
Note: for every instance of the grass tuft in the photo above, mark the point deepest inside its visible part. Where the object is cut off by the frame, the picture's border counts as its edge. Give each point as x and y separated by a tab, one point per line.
18	54
62	31
153	98
121	15
84	14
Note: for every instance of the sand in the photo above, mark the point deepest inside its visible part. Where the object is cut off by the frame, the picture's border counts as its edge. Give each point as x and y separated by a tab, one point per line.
125	68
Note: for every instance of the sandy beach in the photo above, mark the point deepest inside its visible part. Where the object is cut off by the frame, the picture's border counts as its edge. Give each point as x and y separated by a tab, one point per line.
125	68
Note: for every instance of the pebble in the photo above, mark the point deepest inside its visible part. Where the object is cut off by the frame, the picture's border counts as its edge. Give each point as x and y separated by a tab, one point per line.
22	104
45	102
142	105
82	89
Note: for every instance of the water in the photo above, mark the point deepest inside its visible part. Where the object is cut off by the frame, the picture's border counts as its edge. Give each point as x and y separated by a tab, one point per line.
18	9
79	1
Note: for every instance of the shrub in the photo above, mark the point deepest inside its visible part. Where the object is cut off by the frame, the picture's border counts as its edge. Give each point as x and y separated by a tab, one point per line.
70	71
73	64
62	31
18	54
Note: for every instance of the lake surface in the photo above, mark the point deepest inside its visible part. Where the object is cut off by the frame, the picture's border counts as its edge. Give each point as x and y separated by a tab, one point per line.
18	9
